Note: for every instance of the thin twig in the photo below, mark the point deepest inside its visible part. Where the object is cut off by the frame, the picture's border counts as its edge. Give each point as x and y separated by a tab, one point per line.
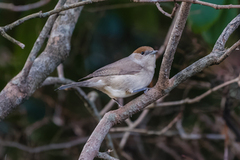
196	99
131	126
104	155
12	7
45	14
5	35
184	135
145	131
227	53
163	80
52	146
164	45
107	107
165	13
90	105
215	6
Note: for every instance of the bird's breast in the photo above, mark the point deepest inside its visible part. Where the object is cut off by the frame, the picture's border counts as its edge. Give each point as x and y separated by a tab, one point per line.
116	92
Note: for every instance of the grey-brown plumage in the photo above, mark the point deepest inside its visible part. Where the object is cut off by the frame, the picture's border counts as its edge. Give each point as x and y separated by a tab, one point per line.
124	77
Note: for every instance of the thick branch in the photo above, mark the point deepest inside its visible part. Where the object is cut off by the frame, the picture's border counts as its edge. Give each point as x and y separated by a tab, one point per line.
196	99
40	40
172	45
20	88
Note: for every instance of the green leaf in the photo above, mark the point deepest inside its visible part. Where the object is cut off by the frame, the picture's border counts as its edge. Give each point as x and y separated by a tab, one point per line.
201	18
211	35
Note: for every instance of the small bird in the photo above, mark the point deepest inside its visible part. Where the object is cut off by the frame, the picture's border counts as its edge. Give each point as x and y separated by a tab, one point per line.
124	77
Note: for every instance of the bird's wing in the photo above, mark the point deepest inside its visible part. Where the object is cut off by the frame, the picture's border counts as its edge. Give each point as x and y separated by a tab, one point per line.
124	66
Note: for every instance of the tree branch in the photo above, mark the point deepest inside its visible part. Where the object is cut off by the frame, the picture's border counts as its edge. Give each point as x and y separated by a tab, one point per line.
215	6
20	88
211	59
196	99
175	36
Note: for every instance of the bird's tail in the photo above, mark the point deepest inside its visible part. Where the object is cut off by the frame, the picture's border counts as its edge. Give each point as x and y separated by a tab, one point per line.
75	84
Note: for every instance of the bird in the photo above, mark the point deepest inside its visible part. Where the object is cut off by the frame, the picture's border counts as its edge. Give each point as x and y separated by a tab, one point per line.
123	78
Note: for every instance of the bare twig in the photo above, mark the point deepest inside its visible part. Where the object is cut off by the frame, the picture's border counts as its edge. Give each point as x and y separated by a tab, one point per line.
12	7
108	106
55	80
104	155
133	125
44	148
164	45
184	135
165	13
46	14
215	6
5	35
90	105
196	99
4	29
145	131
227	53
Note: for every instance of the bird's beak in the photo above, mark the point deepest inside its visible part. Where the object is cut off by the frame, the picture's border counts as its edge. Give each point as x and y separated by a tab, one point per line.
154	52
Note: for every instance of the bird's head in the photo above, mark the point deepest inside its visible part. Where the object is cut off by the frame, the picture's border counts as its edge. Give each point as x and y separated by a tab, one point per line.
145	50
144	55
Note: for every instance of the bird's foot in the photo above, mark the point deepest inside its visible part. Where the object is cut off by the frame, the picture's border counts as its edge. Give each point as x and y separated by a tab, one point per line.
117	102
145	89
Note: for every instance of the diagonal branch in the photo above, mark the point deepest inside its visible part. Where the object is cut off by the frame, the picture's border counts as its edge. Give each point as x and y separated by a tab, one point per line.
172	45
211	59
40	40
21	88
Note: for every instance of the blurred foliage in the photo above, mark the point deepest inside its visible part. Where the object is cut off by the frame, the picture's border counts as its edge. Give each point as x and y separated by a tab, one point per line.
104	35
210	22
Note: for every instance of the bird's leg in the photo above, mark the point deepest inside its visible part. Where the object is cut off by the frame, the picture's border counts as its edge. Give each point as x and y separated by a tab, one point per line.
117	102
145	89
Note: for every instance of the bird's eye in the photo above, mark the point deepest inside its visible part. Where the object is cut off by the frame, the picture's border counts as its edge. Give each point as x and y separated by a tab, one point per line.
142	53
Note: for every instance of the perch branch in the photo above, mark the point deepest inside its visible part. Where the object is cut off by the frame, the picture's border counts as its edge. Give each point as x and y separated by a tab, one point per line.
163	80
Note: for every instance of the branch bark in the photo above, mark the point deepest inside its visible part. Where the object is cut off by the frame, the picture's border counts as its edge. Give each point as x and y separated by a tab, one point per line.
20	88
